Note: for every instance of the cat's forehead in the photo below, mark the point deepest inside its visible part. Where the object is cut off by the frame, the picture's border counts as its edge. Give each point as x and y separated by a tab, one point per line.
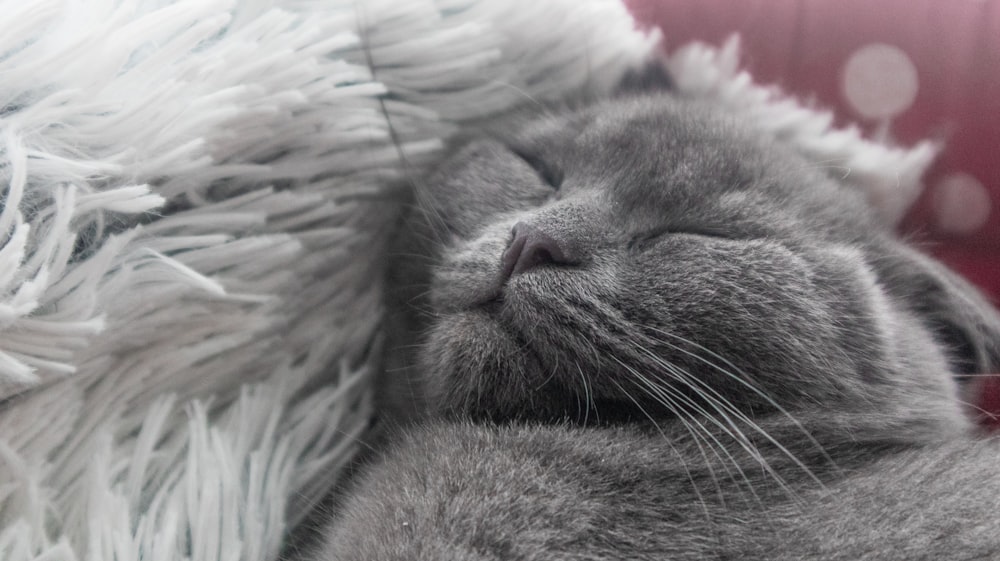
660	161
656	154
630	146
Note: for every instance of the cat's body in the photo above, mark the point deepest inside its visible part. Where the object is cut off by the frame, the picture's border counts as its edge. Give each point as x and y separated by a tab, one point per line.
643	333
467	492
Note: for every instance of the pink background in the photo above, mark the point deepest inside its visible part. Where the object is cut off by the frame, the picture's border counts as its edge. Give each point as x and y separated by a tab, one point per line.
954	46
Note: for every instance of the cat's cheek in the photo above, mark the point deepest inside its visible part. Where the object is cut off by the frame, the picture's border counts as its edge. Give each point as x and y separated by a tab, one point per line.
473	364
754	304
469	272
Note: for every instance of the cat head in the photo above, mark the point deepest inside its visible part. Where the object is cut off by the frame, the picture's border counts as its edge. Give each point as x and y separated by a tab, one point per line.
649	254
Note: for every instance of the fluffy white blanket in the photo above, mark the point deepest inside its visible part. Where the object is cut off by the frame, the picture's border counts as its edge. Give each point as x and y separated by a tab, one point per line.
193	196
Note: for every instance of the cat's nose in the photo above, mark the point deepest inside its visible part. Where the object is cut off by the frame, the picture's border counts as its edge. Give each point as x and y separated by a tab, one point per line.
529	248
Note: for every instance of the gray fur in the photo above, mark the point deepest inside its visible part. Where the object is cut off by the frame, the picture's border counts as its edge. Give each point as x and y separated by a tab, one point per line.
732	359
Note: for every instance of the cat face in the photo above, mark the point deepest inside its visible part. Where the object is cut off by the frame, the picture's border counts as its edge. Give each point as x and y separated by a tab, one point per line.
647	255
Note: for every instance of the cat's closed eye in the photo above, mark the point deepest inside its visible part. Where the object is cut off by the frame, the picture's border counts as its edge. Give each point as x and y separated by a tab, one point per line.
645	240
546	170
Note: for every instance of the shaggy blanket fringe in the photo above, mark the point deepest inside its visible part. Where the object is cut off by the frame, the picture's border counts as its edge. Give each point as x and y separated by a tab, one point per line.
195	194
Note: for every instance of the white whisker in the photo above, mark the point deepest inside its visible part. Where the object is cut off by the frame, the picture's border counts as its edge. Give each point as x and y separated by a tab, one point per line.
743	380
722	406
679	456
662	396
729	428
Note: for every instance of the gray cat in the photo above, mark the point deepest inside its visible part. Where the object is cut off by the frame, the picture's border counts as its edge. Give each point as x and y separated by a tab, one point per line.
637	330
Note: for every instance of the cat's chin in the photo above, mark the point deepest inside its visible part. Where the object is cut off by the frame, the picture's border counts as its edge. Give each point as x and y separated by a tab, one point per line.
486	368
476	362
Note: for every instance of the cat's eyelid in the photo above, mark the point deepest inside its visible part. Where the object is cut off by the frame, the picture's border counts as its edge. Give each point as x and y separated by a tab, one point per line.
643	239
546	171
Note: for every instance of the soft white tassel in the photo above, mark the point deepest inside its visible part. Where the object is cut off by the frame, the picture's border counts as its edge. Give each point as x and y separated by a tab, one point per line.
189	265
890	176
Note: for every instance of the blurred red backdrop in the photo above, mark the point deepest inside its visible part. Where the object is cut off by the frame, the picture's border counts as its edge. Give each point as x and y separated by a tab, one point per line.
916	68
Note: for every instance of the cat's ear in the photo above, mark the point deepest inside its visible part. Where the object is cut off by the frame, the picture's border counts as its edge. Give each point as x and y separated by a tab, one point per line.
960	316
651	77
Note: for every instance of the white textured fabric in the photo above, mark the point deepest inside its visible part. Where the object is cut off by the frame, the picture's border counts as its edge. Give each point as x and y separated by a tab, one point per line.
188	266
194	195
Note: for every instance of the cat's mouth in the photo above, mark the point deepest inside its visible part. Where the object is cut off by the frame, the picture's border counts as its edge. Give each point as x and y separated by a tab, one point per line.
559	405
497	372
610	412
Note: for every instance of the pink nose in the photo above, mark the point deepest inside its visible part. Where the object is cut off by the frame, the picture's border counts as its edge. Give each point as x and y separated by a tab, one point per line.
529	248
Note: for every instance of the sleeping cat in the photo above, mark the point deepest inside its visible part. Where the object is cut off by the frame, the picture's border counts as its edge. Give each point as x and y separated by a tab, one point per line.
636	329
